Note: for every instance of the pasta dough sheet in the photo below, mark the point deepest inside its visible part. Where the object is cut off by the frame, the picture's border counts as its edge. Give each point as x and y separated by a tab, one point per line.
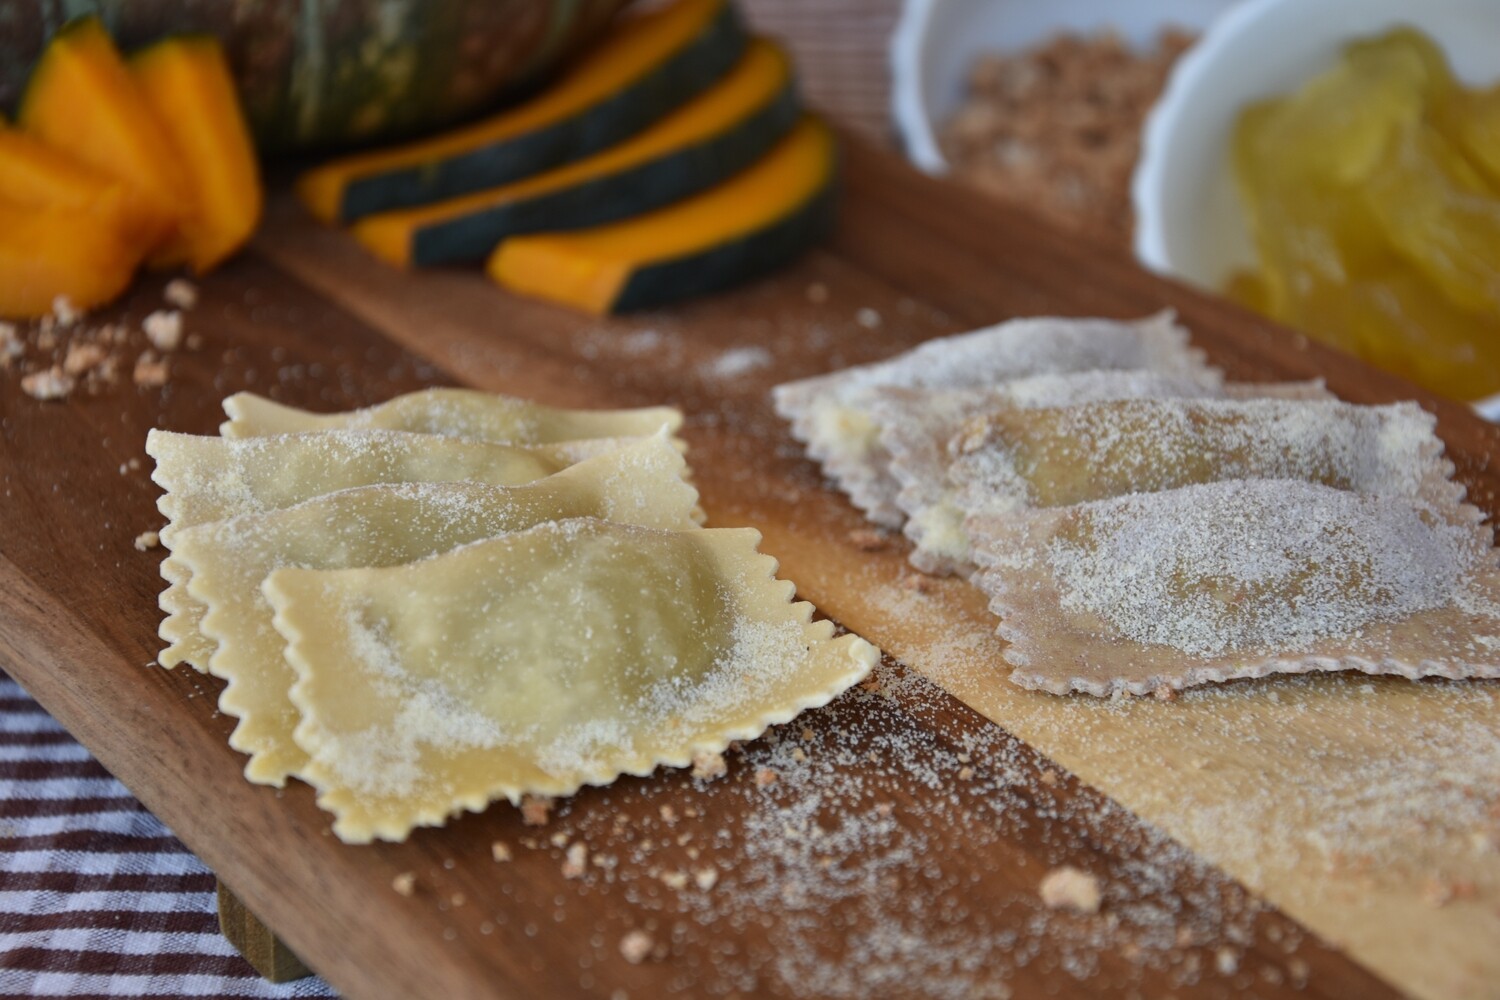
1241	579
466	413
916	426
827	414
537	662
210	478
382	526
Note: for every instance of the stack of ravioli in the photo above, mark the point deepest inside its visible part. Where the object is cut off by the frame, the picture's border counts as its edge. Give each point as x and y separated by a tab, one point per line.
1140	525
454	597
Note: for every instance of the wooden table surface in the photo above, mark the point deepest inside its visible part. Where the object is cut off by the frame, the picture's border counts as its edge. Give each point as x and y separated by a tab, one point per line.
900	850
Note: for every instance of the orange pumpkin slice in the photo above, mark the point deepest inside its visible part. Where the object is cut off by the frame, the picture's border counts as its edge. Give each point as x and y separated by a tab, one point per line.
47	252
186	82
721	131
757	219
82	101
646	66
34	175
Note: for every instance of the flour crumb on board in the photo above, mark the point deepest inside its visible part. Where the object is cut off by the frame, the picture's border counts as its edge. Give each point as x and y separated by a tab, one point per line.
1069	888
576	861
405	884
163	328
636	946
869	539
708	766
500	851
181	293
536	810
52	384
147	540
65	312
737	362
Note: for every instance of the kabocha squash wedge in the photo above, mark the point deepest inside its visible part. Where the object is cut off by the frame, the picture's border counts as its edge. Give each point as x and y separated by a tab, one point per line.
34	175
186	81
47	252
82	101
716	134
644	68
757	219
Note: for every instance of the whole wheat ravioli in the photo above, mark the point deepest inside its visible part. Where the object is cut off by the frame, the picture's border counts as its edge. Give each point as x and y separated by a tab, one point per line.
384	525
467	413
828	414
1242	578
210	478
916	426
1014	460
541	661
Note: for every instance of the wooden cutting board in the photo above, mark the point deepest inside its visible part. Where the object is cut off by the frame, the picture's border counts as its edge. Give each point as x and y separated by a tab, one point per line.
1320	838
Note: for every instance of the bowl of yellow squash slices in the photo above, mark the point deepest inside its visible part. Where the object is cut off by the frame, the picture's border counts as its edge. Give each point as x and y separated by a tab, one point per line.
1335	164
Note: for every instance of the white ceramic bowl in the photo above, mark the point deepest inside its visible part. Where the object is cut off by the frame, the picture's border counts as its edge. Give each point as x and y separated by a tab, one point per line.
1188	221
936	41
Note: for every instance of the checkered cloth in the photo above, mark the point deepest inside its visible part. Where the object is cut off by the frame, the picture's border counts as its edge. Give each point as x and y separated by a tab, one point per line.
97	898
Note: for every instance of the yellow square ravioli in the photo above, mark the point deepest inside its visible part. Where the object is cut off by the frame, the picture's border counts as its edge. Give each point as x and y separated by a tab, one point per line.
541	661
383	525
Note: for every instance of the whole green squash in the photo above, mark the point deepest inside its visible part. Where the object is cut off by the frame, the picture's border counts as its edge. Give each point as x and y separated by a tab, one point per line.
318	74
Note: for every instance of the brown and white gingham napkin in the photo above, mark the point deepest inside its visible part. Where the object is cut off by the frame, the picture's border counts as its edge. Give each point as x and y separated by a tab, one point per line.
97	898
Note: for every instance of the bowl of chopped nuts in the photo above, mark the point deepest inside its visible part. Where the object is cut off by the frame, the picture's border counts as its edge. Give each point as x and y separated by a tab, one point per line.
1038	103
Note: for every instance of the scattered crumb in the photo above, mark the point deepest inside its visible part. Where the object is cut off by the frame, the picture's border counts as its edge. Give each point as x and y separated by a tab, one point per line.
180	293
869	539
1165	693
1049	778
150	371
405	884
535	810
163	329
676	881
919	583
765	777
885	809
737	362
83	356
559	839
65	312
708	766
500	851
706	878
1226	961
147	540
817	292
668	815
1071	889
1439	892
576	862
50	384
867	318
966	773
637	946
